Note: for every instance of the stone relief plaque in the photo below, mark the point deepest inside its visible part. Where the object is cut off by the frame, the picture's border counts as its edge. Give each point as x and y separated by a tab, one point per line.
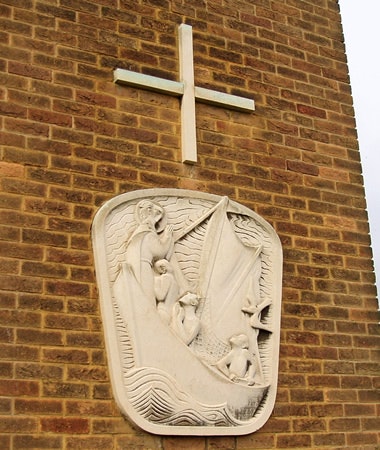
190	292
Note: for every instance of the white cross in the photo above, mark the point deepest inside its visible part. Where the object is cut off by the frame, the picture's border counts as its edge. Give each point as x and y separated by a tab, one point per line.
186	89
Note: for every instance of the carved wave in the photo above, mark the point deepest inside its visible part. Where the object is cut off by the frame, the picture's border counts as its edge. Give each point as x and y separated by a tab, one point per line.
188	252
157	397
119	226
127	358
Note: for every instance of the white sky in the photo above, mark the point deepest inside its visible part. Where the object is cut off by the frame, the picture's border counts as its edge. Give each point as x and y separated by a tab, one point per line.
360	20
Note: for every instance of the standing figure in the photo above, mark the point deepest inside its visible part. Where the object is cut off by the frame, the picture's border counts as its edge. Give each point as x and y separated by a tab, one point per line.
166	289
146	245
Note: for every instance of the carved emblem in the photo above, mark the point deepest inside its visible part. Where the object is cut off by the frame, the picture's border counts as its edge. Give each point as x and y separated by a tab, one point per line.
190	291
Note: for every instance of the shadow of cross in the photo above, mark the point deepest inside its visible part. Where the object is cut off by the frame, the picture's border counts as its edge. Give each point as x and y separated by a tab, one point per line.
187	91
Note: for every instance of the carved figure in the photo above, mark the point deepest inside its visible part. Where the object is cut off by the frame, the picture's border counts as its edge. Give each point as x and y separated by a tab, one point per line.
184	321
166	289
146	245
238	364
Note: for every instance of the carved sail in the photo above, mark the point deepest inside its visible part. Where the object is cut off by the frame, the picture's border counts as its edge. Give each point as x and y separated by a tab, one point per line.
224	281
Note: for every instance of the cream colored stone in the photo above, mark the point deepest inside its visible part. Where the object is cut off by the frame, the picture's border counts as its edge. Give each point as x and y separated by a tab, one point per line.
190	291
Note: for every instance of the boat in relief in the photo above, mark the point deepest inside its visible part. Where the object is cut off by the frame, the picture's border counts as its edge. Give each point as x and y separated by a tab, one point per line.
190	292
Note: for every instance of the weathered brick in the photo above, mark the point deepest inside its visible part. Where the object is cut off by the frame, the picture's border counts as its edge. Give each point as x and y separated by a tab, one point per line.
32	236
92	408
19	388
19	352
18	283
101	443
67	288
65	425
328	439
38	337
29	71
72	356
27	370
32	302
41	442
102	392
65	321
26	127
23	406
88	340
20	318
174	443
295	440
13	425
65	390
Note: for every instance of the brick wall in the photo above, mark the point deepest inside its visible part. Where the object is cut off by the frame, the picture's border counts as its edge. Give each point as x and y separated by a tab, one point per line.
71	139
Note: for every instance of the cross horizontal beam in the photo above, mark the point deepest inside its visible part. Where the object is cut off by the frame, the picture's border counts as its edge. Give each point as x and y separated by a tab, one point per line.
129	78
176	89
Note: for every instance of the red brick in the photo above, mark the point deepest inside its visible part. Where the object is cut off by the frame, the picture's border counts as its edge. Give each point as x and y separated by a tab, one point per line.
293	440
146	441
50	117
306	395
255	440
65	425
102	392
311	111
12	110
65	390
100	443
89	408
19	352
15	424
40	337
73	136
17	283
33	302
360	410
309	425
27	370
328	439
88	340
344	424
23	98
41	442
85	373
43	270
221	443
29	71
32	236
17	318
32	407
25	127
67	288
65	356
19	388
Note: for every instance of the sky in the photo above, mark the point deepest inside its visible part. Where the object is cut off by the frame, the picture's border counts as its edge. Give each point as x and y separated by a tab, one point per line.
360	19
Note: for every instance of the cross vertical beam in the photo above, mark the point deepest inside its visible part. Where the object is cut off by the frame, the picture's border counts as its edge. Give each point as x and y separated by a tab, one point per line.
187	91
186	73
